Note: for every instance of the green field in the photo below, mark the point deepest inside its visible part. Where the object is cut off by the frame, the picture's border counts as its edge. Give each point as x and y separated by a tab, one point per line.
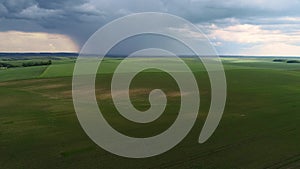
259	129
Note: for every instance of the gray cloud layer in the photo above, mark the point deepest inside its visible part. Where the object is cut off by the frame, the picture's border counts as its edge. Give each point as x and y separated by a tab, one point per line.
80	18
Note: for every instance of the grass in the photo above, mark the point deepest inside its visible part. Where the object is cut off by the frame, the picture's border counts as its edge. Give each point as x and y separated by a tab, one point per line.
58	70
21	73
259	129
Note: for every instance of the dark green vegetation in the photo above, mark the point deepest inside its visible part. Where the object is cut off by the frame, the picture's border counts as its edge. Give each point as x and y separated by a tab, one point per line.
293	61
259	129
287	61
6	65
279	60
41	63
26	63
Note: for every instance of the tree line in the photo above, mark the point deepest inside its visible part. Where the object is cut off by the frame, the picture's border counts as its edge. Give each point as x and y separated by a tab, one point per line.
25	64
41	63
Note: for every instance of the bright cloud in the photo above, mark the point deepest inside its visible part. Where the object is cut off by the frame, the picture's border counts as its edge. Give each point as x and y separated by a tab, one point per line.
273	49
258	41
253	34
14	41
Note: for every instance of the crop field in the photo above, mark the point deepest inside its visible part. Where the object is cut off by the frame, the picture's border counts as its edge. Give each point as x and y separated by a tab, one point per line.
259	129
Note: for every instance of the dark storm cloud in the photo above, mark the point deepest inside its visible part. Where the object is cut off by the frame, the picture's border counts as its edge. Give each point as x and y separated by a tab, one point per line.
69	17
59	4
15	6
80	18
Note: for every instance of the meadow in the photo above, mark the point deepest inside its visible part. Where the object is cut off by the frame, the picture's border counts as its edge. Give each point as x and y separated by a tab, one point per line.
259	129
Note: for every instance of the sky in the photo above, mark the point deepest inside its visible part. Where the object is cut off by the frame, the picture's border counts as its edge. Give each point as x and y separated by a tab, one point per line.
235	27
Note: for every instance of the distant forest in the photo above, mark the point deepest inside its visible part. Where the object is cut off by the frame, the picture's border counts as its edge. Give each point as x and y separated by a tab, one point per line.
26	64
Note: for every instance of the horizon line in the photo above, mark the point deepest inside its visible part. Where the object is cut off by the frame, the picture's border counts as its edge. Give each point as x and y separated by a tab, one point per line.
119	55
